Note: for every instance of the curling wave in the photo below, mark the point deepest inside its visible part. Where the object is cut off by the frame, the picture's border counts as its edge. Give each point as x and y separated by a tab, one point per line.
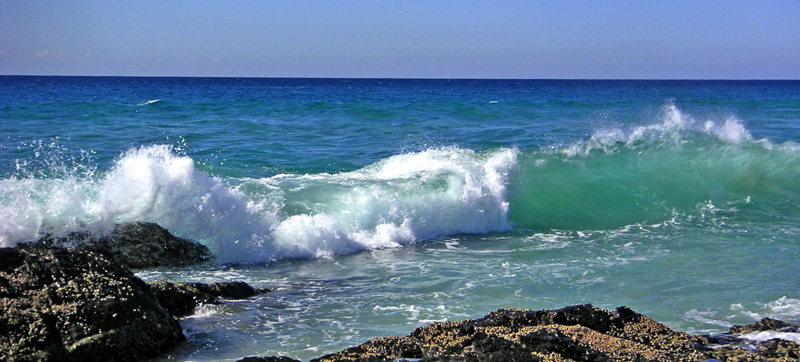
676	171
399	200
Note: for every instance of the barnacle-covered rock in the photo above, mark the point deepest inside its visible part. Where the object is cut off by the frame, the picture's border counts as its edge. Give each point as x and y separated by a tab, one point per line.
69	305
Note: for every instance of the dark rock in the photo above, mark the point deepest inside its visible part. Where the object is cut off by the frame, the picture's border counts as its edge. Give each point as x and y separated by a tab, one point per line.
733	348
778	348
137	245
766	324
67	305
180	299
267	359
229	290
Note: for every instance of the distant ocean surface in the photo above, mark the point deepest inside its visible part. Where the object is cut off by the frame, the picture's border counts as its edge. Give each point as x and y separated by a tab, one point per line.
374	206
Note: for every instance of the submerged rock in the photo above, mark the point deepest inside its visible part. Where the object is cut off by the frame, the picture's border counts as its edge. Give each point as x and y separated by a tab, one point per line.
68	305
138	245
180	299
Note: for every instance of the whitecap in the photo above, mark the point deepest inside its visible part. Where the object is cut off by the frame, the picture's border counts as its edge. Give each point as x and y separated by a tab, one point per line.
148	102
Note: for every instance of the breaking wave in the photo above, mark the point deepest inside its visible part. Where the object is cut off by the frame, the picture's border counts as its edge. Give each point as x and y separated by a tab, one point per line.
675	171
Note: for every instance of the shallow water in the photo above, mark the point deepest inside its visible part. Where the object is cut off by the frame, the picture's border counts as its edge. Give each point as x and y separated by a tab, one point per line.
325	305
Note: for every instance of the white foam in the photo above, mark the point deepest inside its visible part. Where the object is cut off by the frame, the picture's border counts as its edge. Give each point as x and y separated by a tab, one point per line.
731	131
204	311
145	184
397	201
149	102
783	308
768	335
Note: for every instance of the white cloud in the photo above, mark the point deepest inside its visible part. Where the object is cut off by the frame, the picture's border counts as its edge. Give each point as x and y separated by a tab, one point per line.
49	55
90	56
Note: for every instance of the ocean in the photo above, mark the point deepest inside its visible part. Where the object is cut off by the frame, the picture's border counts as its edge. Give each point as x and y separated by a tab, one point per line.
374	206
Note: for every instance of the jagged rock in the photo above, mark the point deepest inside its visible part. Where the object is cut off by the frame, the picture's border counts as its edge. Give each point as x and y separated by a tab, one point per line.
766	324
577	333
68	305
137	245
180	299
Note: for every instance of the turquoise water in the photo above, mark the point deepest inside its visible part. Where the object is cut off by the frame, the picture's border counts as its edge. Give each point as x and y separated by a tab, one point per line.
376	206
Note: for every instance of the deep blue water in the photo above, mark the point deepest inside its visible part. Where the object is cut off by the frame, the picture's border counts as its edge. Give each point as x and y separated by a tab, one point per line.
373	206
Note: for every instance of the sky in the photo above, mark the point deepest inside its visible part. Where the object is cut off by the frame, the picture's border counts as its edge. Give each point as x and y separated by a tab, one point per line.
610	39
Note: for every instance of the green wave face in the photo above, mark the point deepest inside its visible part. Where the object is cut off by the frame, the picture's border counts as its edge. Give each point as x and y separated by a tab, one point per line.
654	178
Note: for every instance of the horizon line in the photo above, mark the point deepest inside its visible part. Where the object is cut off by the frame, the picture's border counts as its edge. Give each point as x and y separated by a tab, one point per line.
397	78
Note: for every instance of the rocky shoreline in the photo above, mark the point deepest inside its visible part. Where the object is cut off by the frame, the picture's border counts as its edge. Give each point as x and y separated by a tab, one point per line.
76	299
574	333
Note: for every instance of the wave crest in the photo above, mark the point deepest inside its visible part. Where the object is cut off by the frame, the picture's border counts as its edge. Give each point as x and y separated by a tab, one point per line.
676	170
655	173
397	201
673	129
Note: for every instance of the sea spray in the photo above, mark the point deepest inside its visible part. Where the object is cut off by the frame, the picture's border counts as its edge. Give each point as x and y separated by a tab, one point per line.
400	200
154	184
145	184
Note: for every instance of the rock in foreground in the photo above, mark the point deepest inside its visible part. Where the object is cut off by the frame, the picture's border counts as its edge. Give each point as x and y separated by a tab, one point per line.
576	333
66	305
138	245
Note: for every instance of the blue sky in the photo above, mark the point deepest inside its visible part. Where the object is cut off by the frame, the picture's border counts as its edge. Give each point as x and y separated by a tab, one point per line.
421	39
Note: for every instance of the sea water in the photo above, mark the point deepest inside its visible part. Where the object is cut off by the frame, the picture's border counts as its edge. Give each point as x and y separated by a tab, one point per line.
374	206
